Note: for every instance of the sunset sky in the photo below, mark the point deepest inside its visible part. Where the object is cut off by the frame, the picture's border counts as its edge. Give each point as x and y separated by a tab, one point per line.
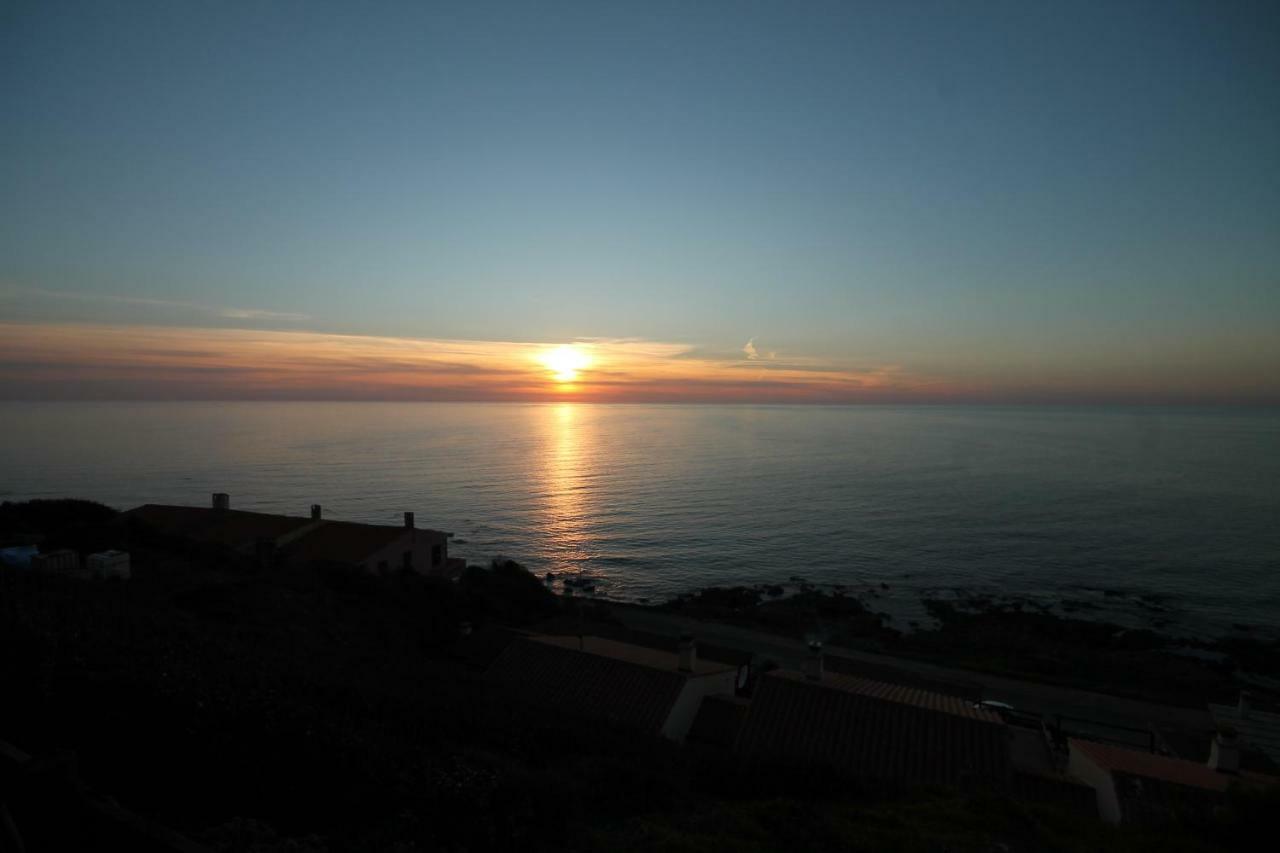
752	202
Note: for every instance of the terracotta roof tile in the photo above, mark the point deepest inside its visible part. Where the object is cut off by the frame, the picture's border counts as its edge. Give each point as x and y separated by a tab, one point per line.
1131	762
347	542
873	730
584	685
230	527
719	721
336	541
642	655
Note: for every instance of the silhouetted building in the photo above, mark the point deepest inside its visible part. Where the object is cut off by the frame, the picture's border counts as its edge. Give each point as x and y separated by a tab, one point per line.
109	564
595	679
62	560
373	547
872	730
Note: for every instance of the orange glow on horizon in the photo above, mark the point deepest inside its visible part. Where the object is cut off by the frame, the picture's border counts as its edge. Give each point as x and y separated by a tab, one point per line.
85	361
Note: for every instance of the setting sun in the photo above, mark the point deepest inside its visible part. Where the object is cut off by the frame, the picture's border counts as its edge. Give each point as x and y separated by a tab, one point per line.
565	361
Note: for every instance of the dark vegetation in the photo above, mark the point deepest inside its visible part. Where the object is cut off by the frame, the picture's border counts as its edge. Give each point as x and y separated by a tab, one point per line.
315	708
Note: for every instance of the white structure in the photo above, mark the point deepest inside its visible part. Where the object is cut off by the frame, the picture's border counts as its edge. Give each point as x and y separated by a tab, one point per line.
110	564
1257	729
62	560
1139	787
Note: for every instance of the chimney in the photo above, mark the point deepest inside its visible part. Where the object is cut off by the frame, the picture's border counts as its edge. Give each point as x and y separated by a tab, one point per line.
315	512
408	521
688	653
221	500
1242	710
813	663
1224	754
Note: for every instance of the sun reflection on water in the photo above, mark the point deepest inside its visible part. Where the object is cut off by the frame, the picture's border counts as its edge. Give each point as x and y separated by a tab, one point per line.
567	472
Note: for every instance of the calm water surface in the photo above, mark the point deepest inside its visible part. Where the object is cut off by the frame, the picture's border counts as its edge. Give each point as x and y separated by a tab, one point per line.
1097	505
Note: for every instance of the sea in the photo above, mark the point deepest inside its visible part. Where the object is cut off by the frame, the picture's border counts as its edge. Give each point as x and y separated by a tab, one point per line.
1147	516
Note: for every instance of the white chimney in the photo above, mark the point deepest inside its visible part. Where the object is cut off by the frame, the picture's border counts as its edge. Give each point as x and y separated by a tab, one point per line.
688	653
813	662
315	512
221	500
1224	754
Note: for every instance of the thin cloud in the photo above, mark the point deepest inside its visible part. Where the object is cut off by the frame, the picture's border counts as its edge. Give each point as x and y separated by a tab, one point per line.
164	362
221	312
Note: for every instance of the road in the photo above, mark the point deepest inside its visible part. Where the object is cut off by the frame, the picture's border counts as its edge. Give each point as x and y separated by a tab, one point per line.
1047	699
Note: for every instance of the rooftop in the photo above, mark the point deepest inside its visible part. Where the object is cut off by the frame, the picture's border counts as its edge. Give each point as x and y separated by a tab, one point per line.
873	730
304	538
898	693
639	655
627	686
348	541
231	527
1149	765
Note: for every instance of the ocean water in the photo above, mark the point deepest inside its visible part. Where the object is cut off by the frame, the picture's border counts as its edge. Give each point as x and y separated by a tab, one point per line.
1148	515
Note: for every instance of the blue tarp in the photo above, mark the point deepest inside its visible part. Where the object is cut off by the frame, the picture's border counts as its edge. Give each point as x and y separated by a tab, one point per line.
19	555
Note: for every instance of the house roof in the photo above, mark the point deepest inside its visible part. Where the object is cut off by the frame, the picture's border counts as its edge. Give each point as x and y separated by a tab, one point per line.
873	730
482	646
345	542
719	720
304	539
620	688
231	527
632	653
901	694
1149	765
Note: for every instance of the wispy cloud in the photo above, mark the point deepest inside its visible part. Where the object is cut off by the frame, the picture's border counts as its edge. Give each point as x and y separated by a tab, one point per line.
97	361
170	305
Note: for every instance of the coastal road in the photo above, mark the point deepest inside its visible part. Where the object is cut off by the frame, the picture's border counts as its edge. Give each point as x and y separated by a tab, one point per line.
1046	699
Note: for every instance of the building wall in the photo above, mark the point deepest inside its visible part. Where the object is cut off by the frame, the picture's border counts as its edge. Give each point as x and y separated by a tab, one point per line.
420	544
1082	767
685	708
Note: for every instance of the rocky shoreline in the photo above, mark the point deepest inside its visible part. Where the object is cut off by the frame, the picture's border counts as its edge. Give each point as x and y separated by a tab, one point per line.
1061	642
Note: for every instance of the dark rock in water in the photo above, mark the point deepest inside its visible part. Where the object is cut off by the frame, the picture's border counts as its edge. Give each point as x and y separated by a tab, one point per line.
1113	593
460	542
1241	627
549	577
642	600
884	585
797	579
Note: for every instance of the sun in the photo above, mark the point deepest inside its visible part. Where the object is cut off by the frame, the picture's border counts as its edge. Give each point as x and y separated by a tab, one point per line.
564	362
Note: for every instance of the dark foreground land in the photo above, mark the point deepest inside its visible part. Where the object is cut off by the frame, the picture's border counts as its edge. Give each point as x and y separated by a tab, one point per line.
312	708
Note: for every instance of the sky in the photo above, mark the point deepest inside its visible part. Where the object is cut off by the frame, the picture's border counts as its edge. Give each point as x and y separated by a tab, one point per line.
749	202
